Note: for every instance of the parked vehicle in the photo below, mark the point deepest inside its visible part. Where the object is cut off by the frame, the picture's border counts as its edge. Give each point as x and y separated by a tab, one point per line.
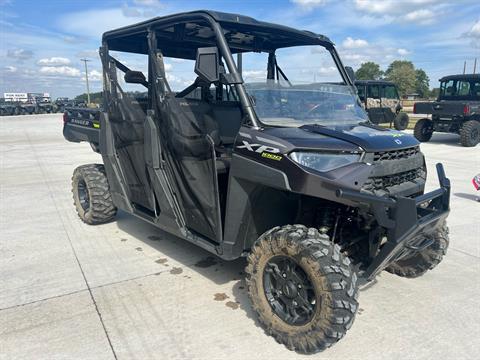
380	99
63	103
457	110
292	176
27	108
8	108
45	107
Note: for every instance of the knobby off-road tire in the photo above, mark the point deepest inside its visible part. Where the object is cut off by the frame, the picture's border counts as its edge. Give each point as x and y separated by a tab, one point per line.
401	121
470	133
423	130
91	194
420	262
332	293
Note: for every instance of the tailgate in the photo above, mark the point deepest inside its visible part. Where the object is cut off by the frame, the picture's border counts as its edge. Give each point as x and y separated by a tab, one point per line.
81	125
439	108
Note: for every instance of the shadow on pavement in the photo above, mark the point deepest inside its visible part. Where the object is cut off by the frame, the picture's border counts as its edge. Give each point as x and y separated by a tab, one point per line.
445	139
209	266
467	196
187	254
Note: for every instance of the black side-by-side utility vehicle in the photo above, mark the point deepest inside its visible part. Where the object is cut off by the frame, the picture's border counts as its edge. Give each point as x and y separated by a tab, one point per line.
382	103
291	176
457	110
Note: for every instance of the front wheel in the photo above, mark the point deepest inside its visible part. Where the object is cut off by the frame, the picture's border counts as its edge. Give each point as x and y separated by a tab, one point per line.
423	130
470	133
420	262
303	289
401	121
91	194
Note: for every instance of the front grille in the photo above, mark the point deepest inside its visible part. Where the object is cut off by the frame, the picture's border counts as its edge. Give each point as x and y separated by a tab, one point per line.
396	154
382	183
396	171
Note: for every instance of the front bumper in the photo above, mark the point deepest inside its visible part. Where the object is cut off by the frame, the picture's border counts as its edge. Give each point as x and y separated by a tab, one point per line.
408	221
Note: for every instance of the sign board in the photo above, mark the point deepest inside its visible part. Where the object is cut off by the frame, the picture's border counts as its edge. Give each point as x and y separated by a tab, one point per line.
14	97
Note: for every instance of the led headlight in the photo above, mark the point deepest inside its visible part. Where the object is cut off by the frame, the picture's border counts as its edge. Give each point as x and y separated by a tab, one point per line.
323	161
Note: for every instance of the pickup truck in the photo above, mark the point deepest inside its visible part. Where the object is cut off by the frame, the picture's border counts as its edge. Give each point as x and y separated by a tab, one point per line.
457	110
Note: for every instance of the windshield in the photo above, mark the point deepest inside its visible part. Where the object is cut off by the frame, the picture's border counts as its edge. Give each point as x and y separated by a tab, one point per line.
300	86
322	104
460	89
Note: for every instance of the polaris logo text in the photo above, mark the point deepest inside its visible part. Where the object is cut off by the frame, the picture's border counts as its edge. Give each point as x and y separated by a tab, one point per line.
258	148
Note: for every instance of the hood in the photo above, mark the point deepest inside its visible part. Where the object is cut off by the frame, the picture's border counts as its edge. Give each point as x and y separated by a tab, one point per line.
368	136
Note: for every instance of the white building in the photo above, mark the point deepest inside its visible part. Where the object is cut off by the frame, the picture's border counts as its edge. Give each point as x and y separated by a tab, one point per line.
26	97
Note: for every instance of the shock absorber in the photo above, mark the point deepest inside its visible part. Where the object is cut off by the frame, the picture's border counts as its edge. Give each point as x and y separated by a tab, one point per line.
325	219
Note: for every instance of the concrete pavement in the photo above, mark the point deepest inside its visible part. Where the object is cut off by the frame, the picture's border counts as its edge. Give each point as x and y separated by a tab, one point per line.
127	290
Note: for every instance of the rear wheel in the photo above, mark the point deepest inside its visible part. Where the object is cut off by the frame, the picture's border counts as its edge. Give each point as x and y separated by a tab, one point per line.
423	130
420	262
91	194
401	121
302	288
470	133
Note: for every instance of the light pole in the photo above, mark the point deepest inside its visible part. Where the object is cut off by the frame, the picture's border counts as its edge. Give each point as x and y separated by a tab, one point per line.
86	78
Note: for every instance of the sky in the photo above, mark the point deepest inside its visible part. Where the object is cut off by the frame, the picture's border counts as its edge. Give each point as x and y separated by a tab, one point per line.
42	42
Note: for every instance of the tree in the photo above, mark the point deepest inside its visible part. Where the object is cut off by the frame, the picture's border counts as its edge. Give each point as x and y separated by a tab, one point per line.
422	83
402	73
369	71
433	94
96	97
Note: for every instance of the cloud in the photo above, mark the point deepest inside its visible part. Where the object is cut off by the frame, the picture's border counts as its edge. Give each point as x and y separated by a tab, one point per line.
131	11
354	55
67	71
20	54
422	12
88	54
421	16
474	34
54	61
148	3
350	43
94	23
309	4
10	69
254	75
94	75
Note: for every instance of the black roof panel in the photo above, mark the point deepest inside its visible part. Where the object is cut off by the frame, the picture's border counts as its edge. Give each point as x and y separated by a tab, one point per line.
461	77
179	35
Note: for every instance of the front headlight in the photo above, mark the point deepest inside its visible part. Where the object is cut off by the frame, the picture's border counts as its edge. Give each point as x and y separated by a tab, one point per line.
323	161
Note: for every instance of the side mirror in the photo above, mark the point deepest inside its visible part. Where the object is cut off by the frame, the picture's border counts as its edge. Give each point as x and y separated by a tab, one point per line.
207	65
135	77
350	73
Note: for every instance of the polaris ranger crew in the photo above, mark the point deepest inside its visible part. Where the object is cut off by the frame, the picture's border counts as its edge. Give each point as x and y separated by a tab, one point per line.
457	110
382	103
285	171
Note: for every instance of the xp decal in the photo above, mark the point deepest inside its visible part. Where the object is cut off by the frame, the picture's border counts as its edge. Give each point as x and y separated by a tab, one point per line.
258	148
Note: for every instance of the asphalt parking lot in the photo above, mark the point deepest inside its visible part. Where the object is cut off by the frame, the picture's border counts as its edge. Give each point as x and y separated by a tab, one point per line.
127	290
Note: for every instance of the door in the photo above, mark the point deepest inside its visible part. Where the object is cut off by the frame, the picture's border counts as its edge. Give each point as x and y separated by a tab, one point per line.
374	105
390	101
186	132
127	104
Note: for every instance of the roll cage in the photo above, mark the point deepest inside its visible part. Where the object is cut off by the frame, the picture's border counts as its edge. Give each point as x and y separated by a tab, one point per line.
181	35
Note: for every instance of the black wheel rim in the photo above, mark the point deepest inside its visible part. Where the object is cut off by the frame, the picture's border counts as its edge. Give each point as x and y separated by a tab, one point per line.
426	130
289	290
83	195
